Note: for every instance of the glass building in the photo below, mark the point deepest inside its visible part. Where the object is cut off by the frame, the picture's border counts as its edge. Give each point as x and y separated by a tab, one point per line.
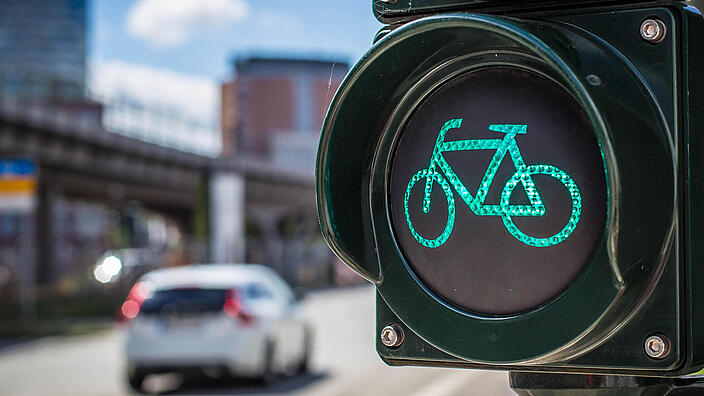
42	49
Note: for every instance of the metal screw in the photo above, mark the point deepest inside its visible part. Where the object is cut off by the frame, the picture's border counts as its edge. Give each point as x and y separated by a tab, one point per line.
657	346
392	336
653	30
594	80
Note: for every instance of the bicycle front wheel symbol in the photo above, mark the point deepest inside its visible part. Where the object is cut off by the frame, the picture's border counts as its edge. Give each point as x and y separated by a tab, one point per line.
507	210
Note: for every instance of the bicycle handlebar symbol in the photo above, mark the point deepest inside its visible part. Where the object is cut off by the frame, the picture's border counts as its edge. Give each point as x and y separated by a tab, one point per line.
440	171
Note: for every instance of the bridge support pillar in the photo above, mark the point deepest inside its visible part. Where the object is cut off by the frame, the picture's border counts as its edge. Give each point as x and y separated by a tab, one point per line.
46	239
227	195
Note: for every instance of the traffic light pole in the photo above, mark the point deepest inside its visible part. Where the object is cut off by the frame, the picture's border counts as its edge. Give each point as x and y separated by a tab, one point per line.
551	384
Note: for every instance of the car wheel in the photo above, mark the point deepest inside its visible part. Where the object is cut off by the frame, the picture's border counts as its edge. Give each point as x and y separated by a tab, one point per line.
135	378
268	374
304	365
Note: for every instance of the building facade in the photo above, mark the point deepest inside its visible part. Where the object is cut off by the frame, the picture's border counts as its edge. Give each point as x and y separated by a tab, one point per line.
273	108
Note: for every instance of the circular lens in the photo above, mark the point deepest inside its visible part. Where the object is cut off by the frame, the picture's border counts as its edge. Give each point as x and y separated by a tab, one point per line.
498	191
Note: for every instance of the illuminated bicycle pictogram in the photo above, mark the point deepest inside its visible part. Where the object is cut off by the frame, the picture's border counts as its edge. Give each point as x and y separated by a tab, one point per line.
440	171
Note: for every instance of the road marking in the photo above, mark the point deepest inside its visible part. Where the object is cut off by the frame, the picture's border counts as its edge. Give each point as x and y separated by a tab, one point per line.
444	385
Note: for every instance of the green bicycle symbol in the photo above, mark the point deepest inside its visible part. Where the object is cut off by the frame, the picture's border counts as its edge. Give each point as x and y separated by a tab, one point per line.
441	172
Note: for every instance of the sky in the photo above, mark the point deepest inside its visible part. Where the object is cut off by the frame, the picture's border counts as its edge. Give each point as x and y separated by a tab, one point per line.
177	52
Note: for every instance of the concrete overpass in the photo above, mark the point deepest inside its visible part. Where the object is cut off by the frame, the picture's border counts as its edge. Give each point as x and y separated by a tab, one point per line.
79	159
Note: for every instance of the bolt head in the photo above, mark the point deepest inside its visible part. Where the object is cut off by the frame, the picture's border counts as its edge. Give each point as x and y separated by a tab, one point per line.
657	346
653	30
594	80
392	336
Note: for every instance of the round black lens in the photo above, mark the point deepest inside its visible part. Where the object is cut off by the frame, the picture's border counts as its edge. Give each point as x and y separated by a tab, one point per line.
498	191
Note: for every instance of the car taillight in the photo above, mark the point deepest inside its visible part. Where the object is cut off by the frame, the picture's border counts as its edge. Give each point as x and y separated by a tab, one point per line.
130	308
233	308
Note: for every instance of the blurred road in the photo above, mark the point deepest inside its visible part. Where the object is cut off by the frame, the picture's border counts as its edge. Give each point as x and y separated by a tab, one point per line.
344	363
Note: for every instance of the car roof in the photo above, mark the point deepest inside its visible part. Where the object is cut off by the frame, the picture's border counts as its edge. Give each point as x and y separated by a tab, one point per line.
208	276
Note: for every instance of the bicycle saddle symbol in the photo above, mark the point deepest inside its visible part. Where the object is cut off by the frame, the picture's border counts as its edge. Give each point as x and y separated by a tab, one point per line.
440	171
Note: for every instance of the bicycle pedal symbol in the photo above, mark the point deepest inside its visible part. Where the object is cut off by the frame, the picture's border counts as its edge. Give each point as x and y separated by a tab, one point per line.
440	171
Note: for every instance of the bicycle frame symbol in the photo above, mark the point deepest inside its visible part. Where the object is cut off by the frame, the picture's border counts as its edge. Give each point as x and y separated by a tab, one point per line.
440	171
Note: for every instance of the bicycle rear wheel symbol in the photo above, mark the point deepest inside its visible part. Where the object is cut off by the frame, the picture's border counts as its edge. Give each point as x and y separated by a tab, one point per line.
439	171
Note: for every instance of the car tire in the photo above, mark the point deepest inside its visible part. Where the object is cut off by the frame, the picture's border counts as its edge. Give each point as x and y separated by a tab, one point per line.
304	365
135	378
268	375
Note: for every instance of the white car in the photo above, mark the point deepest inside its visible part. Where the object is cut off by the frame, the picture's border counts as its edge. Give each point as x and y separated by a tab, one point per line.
241	320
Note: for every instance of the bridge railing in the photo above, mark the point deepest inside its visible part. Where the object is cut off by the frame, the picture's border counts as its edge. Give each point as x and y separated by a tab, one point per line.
162	125
55	96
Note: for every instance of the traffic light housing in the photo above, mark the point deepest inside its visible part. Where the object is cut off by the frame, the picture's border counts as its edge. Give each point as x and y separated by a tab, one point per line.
520	182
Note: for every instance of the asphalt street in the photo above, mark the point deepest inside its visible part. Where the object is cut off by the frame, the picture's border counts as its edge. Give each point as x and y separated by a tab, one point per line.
344	363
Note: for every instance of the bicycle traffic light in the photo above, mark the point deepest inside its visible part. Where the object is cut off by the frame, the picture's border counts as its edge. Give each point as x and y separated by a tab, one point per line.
521	182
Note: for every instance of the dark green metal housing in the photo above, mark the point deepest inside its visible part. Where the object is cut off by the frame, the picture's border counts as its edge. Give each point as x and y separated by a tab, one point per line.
645	111
389	11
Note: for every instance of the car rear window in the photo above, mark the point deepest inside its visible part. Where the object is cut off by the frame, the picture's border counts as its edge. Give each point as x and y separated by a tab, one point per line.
255	291
184	301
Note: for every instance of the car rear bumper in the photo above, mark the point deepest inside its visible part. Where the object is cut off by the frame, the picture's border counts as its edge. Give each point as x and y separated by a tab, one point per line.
241	354
152	368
